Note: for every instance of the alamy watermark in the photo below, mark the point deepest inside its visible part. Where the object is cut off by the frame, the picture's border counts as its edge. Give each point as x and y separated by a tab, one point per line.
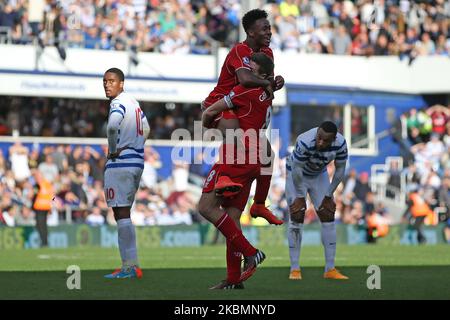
238	147
374	280
74	280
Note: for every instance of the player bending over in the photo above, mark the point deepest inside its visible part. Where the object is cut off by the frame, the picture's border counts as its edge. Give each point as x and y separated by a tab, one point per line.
127	131
307	174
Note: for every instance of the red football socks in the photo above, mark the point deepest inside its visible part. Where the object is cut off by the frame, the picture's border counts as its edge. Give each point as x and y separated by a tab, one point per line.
228	227
233	263
262	188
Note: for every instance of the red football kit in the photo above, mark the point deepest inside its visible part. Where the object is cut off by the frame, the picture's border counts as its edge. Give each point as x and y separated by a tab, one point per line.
251	107
238	57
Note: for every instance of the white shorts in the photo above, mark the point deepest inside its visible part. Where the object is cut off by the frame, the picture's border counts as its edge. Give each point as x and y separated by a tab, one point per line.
316	187
121	185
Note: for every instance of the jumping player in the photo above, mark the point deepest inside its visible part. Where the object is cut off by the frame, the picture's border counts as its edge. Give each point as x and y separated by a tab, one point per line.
250	105
236	70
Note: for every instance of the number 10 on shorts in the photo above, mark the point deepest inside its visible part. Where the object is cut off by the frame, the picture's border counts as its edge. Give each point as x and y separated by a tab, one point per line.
109	193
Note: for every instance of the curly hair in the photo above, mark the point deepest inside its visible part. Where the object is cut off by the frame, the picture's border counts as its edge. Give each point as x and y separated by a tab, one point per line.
251	16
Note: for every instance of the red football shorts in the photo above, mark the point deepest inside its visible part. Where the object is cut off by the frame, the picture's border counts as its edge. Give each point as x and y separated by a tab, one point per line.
243	174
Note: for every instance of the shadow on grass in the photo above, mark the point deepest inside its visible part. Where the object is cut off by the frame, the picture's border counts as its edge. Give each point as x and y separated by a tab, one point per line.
425	282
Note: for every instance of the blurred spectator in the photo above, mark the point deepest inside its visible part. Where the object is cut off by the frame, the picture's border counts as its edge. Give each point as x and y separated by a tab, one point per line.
8	16
444	195
447	231
18	155
425	125
381	46
180	174
355	214
362	186
434	150
26	217
151	164
342	43
48	169
181	211
377	226
42	205
350	183
416	212
95	218
394	180
440	116
289	8
9	215
399	133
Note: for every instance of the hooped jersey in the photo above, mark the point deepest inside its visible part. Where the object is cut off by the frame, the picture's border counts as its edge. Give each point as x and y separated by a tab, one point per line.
130	133
315	161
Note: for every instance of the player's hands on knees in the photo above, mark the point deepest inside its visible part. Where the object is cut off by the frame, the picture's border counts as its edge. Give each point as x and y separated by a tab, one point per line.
328	204
297	210
279	83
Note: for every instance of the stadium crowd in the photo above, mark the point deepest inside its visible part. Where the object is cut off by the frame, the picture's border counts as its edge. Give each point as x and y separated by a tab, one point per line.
424	142
78	170
77	175
424	139
406	28
55	117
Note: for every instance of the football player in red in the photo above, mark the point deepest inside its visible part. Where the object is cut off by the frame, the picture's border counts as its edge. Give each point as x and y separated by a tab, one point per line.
236	70
250	106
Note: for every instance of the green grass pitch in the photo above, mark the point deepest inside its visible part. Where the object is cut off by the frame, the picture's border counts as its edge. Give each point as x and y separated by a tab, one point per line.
407	272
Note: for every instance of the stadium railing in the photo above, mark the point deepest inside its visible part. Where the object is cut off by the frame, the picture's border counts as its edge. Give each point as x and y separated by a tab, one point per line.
5	35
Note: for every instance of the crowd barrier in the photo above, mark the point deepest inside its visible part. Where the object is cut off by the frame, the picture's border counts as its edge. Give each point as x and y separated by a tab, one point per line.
65	236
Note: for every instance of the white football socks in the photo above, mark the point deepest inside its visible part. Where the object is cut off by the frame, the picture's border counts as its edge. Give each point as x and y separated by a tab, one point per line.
295	241
127	242
329	243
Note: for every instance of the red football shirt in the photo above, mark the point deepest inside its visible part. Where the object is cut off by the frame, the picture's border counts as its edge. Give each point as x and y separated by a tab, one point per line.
238	57
252	108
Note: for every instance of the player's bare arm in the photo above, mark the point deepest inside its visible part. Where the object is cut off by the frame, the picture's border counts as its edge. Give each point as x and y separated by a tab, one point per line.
249	79
328	202
298	208
213	111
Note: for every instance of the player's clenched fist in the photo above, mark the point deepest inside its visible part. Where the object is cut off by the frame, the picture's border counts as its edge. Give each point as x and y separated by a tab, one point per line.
279	83
297	210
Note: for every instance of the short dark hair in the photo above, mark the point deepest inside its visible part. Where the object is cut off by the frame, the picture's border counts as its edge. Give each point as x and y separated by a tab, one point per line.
329	127
249	19
265	63
118	72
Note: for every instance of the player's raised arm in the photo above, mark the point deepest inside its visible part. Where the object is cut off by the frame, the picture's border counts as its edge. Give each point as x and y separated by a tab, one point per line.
248	79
